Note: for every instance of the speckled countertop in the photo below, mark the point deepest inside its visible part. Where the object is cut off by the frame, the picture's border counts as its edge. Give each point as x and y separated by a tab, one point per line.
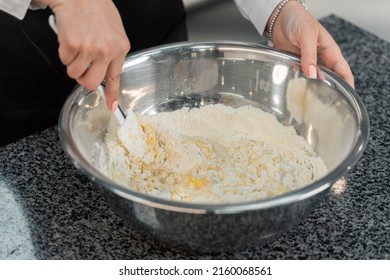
48	210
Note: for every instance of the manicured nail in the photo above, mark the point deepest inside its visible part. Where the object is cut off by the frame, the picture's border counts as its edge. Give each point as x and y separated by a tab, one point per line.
114	106
312	72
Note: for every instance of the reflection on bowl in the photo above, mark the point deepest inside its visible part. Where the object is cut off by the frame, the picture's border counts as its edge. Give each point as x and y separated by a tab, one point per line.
328	114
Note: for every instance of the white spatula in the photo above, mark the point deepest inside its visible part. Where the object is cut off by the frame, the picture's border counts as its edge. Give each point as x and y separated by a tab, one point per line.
130	131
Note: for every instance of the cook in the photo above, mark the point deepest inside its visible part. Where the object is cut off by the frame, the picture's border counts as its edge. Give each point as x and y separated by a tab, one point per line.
38	70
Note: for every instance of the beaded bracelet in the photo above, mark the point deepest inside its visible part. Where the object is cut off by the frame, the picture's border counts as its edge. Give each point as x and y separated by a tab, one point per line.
276	14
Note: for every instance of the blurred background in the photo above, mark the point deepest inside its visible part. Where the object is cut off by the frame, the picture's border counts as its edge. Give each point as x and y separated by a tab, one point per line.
220	19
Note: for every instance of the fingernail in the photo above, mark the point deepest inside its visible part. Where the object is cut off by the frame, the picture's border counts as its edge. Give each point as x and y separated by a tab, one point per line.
114	106
312	72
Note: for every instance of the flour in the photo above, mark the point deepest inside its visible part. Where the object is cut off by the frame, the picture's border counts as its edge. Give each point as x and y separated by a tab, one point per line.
215	154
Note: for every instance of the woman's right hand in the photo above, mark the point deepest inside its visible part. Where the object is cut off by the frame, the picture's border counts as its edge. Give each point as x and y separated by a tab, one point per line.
92	43
296	30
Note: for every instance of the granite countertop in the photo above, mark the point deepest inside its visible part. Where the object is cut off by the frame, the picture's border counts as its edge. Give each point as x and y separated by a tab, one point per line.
49	210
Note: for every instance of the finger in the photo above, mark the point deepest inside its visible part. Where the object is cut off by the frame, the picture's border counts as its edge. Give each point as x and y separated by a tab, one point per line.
112	80
94	75
342	68
67	56
334	60
308	43
330	56
68	49
78	67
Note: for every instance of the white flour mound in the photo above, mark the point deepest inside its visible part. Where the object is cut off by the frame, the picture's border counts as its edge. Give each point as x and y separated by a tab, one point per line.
215	154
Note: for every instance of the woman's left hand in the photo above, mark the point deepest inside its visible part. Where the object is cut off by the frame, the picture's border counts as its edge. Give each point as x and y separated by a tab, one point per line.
296	30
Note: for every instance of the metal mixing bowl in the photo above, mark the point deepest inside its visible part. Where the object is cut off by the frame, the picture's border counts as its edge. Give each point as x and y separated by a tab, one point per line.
328	114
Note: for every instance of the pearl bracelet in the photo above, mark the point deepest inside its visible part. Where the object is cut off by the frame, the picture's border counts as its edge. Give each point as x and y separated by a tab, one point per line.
276	14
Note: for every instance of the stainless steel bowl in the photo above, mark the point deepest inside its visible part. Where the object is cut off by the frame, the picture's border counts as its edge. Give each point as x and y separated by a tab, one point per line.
328	113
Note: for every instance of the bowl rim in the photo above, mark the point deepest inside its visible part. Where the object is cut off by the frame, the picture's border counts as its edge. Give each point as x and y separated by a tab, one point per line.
305	192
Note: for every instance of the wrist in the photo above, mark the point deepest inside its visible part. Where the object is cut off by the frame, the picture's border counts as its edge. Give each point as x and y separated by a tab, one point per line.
52	4
35	5
40	2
